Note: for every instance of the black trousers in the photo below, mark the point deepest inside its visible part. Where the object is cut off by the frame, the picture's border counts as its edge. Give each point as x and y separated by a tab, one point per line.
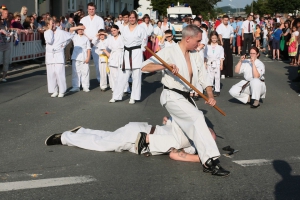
248	39
228	62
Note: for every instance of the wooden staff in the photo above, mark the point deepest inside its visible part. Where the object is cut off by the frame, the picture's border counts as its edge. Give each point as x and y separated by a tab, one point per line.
183	79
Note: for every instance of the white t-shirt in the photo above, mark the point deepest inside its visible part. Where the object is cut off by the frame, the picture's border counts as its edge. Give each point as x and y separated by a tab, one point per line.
296	33
81	45
265	33
92	26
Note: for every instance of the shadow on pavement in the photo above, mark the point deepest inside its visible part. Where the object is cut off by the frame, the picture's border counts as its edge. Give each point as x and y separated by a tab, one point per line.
293	74
289	186
235	101
149	88
27	75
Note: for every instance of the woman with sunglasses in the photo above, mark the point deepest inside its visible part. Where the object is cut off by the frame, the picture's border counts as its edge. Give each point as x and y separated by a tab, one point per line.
253	88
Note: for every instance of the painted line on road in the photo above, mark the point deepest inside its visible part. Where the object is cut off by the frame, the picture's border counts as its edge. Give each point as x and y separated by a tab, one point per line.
42	183
260	162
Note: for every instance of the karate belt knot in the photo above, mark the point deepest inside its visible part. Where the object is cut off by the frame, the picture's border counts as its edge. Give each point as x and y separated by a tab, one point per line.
184	94
106	61
247	84
130	49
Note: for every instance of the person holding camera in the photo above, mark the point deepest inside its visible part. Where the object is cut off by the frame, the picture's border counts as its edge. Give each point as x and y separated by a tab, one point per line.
253	88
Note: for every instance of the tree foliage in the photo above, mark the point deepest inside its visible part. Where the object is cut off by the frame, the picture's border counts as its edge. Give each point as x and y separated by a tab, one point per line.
273	6
203	7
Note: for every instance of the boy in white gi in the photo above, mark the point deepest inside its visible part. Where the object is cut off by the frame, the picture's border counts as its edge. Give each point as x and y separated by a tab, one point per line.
80	61
167	40
56	41
253	87
100	43
213	60
175	96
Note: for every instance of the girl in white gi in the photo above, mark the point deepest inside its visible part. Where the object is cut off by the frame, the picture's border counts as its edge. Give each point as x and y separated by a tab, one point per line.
213	60
56	41
100	43
253	87
167	40
149	29
80	60
135	39
116	47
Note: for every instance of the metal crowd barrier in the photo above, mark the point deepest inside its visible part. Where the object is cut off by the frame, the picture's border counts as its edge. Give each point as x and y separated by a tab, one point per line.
29	47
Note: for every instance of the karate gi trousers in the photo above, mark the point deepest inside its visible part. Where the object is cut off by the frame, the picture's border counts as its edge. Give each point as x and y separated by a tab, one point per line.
192	122
103	75
96	62
80	74
122	84
214	75
256	88
112	76
56	78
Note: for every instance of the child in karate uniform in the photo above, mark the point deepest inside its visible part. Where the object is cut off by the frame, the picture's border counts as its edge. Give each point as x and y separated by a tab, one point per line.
213	60
167	40
80	61
100	42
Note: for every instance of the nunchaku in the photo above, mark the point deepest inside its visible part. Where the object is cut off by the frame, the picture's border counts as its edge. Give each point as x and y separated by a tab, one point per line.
183	79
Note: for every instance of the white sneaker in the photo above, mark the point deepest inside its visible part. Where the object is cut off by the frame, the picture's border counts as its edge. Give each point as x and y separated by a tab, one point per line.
54	94
112	101
132	101
86	90
3	80
75	90
61	95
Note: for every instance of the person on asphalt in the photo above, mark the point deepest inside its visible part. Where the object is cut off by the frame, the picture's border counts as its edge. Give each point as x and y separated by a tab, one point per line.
176	98
253	88
160	139
4	43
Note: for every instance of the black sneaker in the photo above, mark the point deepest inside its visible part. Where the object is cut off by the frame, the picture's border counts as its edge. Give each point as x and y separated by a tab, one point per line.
54	139
140	143
214	167
216	94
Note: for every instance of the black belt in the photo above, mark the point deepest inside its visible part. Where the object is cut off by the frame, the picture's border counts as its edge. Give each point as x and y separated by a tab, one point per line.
246	84
130	55
184	94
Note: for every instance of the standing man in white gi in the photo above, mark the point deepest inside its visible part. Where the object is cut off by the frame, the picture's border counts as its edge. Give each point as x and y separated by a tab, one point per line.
176	99
93	23
225	32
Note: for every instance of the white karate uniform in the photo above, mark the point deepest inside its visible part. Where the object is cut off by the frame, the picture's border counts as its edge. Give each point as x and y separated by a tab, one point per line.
256	87
92	26
189	118
116	46
166	44
203	41
101	45
157	31
148	28
214	55
55	59
80	69
137	37
124	138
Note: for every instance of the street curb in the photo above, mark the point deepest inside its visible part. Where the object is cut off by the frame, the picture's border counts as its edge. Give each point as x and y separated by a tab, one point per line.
36	66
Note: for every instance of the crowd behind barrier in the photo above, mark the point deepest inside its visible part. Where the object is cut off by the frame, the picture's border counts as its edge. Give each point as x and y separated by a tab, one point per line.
25	47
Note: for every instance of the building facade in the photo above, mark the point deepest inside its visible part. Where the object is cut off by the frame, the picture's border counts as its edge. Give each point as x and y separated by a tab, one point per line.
104	7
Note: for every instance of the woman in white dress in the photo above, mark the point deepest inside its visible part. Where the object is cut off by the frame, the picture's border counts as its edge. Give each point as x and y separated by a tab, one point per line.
135	40
253	87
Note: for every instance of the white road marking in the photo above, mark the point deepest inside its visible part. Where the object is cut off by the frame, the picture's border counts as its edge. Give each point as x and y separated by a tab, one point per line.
260	162
41	183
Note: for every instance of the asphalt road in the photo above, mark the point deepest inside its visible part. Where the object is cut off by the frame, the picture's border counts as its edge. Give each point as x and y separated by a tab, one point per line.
267	165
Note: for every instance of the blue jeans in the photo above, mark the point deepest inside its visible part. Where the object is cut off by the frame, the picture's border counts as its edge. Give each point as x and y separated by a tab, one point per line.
265	45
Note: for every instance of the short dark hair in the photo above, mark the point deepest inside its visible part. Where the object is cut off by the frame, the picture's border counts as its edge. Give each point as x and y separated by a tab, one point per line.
168	32
125	13
197	19
256	50
92	4
225	16
101	31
